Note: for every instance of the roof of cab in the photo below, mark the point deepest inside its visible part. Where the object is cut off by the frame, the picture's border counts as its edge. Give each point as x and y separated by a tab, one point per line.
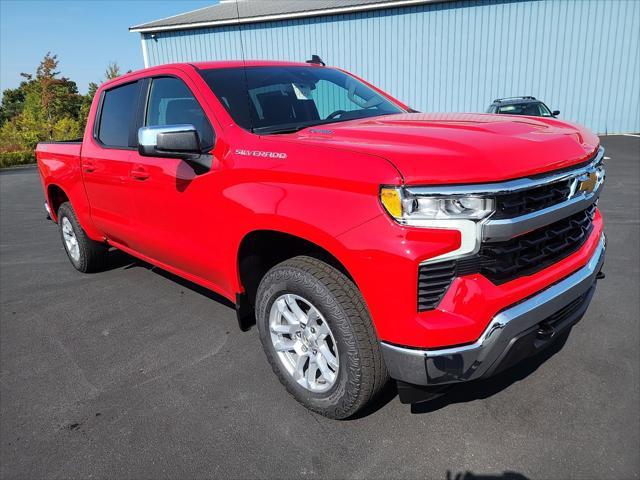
513	100
249	63
212	65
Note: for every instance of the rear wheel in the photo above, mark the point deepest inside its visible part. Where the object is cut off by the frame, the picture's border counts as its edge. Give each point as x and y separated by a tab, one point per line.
86	255
318	337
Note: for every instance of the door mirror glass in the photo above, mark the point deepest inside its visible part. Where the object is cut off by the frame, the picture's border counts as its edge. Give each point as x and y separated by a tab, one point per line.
555	113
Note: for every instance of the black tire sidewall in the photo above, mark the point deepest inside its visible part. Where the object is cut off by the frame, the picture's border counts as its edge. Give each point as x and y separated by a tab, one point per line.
287	279
66	211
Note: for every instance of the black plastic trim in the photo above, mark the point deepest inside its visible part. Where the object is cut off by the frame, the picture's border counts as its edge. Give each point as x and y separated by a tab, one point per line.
433	282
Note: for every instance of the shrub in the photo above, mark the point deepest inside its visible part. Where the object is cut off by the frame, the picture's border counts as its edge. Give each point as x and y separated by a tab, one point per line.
9	159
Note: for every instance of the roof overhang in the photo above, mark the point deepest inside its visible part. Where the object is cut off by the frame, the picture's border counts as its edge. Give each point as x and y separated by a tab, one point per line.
285	16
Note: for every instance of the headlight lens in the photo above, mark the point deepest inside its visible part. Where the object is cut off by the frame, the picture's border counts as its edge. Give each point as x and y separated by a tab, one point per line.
413	210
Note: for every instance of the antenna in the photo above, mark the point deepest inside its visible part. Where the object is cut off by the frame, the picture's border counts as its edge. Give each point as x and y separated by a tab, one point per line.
316	60
244	67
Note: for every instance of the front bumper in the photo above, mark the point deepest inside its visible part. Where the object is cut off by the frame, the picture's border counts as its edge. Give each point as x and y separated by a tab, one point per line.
551	310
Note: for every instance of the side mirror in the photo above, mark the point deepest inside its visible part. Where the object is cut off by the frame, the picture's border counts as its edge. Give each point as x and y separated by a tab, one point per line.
174	141
555	113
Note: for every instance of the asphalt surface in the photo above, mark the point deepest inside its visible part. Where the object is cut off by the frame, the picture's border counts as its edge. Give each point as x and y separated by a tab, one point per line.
131	373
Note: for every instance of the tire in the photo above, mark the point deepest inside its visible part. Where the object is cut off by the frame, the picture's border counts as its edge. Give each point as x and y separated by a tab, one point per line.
89	256
361	372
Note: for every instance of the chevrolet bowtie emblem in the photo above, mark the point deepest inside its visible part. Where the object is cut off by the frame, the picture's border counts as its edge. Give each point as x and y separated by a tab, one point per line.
585	183
588	184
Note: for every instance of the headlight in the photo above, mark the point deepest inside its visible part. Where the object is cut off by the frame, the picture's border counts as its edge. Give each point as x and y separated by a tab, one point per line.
413	210
454	212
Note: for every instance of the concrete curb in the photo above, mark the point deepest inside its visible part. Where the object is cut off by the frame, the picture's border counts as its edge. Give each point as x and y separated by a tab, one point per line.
18	167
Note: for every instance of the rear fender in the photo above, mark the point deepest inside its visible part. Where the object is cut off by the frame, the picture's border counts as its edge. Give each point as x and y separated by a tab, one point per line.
62	171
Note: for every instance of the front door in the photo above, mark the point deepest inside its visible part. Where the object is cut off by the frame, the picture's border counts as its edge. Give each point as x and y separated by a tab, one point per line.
173	206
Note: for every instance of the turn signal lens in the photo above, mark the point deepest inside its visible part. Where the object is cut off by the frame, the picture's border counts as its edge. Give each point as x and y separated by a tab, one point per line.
392	202
411	209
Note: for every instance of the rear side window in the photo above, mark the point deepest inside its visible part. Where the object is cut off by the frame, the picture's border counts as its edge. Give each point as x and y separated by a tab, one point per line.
172	103
117	114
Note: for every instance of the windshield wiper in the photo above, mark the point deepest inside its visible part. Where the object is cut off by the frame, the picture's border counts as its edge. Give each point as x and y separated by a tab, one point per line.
286	127
296	127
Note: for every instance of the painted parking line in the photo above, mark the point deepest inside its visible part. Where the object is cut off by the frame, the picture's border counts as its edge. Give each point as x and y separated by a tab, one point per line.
631	135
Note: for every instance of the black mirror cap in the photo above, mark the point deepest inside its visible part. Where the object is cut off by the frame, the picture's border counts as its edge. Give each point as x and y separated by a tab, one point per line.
182	144
179	143
555	113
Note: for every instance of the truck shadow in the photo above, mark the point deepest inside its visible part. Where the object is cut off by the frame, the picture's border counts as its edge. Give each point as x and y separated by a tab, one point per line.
474	476
470	391
119	259
464	392
481	389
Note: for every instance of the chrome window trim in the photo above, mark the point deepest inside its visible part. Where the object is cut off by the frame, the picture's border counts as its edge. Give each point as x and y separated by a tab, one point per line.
509	186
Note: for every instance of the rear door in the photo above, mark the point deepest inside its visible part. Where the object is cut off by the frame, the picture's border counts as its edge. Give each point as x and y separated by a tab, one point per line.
106	162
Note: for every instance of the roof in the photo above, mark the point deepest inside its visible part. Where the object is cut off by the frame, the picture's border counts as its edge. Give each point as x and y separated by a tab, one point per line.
513	100
205	66
230	12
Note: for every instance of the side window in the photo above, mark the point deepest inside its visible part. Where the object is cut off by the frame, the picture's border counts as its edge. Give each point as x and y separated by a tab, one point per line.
172	103
116	115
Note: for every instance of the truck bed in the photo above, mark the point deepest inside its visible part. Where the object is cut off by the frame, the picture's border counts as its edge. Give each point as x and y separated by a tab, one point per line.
59	165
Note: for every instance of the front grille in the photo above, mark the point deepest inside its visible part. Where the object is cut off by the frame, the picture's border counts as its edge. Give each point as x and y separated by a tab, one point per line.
502	262
514	204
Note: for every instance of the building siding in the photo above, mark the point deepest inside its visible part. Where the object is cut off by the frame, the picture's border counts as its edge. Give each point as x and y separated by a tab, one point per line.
581	57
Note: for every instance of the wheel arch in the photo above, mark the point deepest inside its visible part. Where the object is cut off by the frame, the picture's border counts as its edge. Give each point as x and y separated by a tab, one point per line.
56	196
260	250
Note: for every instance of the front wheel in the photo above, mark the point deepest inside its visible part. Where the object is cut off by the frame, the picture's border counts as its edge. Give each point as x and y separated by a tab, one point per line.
318	337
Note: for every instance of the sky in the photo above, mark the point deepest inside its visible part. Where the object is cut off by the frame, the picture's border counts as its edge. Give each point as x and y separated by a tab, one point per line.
85	34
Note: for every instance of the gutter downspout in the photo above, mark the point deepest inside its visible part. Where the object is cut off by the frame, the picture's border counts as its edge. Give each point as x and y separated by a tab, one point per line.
145	53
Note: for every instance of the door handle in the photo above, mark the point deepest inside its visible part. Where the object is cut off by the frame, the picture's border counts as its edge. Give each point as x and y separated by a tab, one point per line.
139	172
88	166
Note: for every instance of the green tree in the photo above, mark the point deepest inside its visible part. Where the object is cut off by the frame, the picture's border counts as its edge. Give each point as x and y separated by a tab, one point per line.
46	106
86	103
113	71
35	112
12	103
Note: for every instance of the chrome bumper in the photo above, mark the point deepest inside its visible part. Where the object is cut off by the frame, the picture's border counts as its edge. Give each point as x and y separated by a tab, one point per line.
482	358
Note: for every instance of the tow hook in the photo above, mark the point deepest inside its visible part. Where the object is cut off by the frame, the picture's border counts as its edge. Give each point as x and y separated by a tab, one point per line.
546	330
600	275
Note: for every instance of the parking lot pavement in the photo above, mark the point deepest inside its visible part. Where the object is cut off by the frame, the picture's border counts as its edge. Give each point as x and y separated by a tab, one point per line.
132	373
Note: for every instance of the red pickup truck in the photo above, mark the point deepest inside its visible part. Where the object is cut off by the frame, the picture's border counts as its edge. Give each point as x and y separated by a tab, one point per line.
366	240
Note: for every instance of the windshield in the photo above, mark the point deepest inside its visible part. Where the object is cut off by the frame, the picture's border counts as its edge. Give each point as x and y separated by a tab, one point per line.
529	108
284	99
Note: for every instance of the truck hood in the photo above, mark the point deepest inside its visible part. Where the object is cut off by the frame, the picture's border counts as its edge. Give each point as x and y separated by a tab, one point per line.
460	148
